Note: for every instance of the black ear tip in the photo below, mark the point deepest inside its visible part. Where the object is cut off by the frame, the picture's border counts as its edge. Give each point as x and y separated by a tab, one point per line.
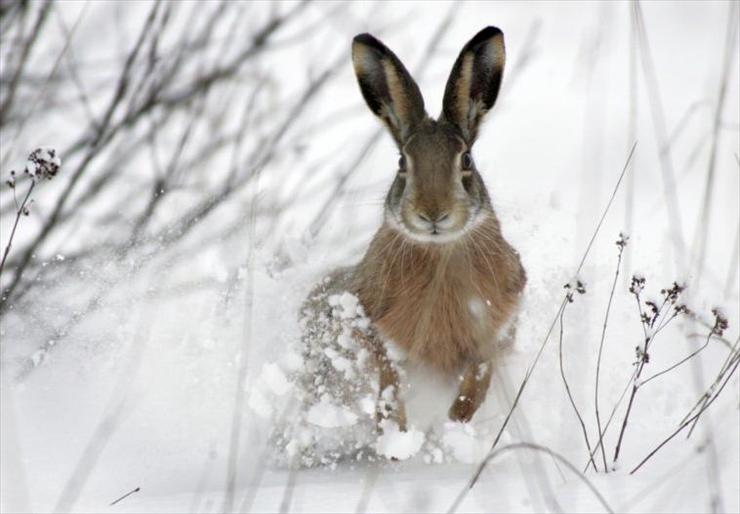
486	34
368	40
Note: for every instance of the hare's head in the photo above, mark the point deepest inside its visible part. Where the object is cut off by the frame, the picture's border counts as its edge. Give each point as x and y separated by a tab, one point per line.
437	194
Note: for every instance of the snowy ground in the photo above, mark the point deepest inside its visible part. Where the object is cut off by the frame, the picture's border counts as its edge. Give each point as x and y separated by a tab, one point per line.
141	390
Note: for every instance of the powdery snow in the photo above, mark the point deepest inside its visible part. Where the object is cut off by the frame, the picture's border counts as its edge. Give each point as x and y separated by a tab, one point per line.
327	415
395	444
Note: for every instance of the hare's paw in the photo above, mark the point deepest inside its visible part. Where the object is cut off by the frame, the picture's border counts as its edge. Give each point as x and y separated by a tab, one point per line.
462	409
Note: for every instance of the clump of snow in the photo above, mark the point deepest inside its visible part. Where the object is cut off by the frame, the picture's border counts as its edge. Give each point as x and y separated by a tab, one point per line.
397	444
346	305
259	404
327	415
274	378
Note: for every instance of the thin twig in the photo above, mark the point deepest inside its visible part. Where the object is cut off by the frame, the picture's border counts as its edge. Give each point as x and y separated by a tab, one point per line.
18	214
126	495
611	417
670	368
692	419
661	134
570	395
702	228
621	243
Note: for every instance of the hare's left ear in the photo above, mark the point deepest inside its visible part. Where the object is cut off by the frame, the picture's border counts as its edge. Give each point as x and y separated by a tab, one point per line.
474	82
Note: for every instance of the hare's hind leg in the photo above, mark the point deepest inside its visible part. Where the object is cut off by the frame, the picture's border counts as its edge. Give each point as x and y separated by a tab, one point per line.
389	406
472	391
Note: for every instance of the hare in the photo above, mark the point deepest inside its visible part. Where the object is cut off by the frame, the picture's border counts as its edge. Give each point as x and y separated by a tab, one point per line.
438	279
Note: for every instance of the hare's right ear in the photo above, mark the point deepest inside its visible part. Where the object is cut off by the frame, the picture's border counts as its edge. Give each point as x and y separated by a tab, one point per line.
389	90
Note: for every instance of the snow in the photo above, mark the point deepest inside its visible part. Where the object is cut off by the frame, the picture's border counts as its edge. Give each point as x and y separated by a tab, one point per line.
465	446
395	444
275	379
550	154
347	305
326	415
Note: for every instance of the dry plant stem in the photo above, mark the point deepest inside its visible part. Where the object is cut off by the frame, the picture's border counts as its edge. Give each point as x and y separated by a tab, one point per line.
629	205
670	368
532	367
659	124
731	359
600	442
570	396
640	367
18	215
536	447
23	60
601	348
692	419
136	490
662	319
702	228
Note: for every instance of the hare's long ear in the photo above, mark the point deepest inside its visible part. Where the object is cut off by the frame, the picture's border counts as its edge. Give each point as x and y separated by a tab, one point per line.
474	82
389	90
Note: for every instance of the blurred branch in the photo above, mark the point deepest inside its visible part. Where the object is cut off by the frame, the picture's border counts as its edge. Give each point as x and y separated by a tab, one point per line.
702	228
23	57
661	135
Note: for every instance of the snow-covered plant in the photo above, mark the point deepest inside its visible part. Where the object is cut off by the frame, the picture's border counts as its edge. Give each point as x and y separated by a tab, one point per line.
42	163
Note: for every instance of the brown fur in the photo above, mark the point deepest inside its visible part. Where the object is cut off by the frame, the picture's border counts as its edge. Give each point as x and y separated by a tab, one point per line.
418	295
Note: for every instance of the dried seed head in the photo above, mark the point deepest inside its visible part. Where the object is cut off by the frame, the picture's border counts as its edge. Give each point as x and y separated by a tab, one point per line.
637	284
671	294
622	241
574	285
43	163
720	322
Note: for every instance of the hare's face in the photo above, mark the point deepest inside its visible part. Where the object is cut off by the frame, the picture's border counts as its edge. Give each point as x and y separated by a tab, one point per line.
437	194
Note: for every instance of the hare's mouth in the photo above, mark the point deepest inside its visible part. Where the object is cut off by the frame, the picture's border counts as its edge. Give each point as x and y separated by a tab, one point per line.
434	234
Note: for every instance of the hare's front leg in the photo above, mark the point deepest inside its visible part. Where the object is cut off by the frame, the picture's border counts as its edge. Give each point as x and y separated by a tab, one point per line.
389	405
472	391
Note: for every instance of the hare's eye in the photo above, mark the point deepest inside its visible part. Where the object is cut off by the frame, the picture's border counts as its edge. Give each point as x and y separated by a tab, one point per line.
402	163
466	161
